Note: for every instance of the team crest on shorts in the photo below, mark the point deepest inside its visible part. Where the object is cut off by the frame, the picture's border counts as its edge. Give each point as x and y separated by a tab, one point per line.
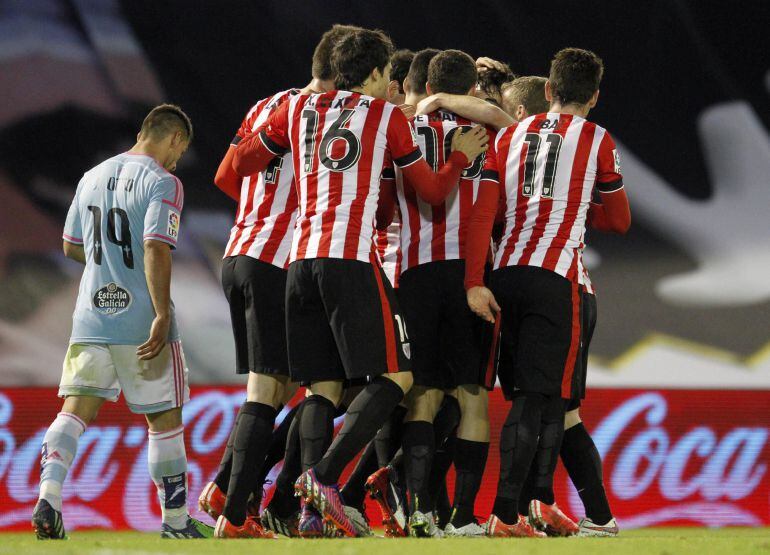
173	225
111	299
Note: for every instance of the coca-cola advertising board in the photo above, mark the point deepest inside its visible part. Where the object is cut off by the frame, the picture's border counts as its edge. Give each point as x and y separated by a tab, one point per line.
671	457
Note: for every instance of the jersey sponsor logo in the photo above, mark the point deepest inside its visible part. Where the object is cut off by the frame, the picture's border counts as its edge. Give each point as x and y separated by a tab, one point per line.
173	225
616	157
112	299
175	489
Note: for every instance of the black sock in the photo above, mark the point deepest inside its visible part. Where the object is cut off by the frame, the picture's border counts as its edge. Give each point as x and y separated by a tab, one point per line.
443	506
222	479
526	492
548	447
251	440
584	466
283	501
470	461
388	439
365	416
444	428
275	453
419	444
316	429
518	442
354	490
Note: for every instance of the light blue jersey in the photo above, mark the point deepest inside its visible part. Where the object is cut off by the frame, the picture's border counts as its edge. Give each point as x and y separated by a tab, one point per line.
118	204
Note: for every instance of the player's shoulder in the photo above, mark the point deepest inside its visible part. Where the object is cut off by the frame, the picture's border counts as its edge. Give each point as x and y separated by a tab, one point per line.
269	103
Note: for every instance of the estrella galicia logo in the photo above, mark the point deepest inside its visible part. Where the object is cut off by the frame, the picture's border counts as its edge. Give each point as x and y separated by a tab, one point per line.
111	299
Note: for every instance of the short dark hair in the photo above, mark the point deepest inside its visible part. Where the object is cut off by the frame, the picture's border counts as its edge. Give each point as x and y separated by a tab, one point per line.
165	119
575	75
357	54
491	80
453	72
322	64
529	91
399	66
418	70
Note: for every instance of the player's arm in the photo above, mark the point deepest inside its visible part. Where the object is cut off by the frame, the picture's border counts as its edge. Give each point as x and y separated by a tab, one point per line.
157	272
72	237
480	299
386	204
612	213
470	107
226	179
161	230
257	149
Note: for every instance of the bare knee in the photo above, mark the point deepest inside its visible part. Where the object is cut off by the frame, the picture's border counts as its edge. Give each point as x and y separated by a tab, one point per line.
267	389
404	380
423	404
85	407
572	418
331	390
165	421
474	410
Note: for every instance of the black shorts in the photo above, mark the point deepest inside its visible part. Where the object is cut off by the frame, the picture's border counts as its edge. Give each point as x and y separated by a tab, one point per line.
450	345
343	321
255	291
581	363
540	330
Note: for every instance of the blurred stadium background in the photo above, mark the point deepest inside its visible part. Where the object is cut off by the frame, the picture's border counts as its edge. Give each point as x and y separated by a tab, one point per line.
680	378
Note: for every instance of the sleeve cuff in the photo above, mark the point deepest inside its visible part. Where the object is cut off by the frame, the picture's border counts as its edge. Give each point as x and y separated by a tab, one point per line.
271	145
610	187
73	240
409	159
490	175
160	237
470	283
388	173
237	139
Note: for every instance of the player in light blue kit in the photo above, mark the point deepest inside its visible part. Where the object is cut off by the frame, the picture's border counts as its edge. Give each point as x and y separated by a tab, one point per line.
123	224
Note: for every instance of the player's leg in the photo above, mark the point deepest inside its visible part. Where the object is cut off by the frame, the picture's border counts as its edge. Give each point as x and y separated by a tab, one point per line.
158	389
471	449
518	436
371	340
88	379
445	430
579	453
419	444
549	339
464	352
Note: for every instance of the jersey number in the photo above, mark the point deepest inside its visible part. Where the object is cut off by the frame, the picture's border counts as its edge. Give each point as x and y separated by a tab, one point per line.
431	150
125	234
336	132
551	160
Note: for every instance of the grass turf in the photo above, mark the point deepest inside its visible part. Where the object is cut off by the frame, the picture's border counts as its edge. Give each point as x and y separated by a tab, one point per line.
662	541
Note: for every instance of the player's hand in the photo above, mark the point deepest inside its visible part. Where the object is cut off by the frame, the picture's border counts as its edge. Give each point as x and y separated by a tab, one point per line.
484	63
482	302
471	143
428	104
408	110
158	335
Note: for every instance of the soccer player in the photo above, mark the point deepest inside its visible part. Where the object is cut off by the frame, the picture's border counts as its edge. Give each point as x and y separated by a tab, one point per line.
522	98
493	75
122	225
546	169
343	321
254	282
445	335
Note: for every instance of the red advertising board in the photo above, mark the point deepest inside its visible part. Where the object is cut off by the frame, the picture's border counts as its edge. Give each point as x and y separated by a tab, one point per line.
689	457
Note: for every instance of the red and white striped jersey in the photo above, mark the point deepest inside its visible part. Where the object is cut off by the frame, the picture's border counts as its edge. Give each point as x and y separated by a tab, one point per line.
548	166
339	143
431	233
389	250
267	210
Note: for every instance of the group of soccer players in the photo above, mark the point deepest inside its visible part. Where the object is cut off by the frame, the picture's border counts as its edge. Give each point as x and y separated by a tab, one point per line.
410	228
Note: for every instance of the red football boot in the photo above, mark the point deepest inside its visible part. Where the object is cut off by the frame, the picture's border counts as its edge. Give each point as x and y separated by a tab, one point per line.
250	529
551	520
212	500
384	493
496	528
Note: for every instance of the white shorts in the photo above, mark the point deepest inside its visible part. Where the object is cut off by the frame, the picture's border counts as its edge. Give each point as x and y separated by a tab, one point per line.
149	386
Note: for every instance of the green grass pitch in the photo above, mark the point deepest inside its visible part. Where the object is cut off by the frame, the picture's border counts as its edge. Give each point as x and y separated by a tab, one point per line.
661	541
